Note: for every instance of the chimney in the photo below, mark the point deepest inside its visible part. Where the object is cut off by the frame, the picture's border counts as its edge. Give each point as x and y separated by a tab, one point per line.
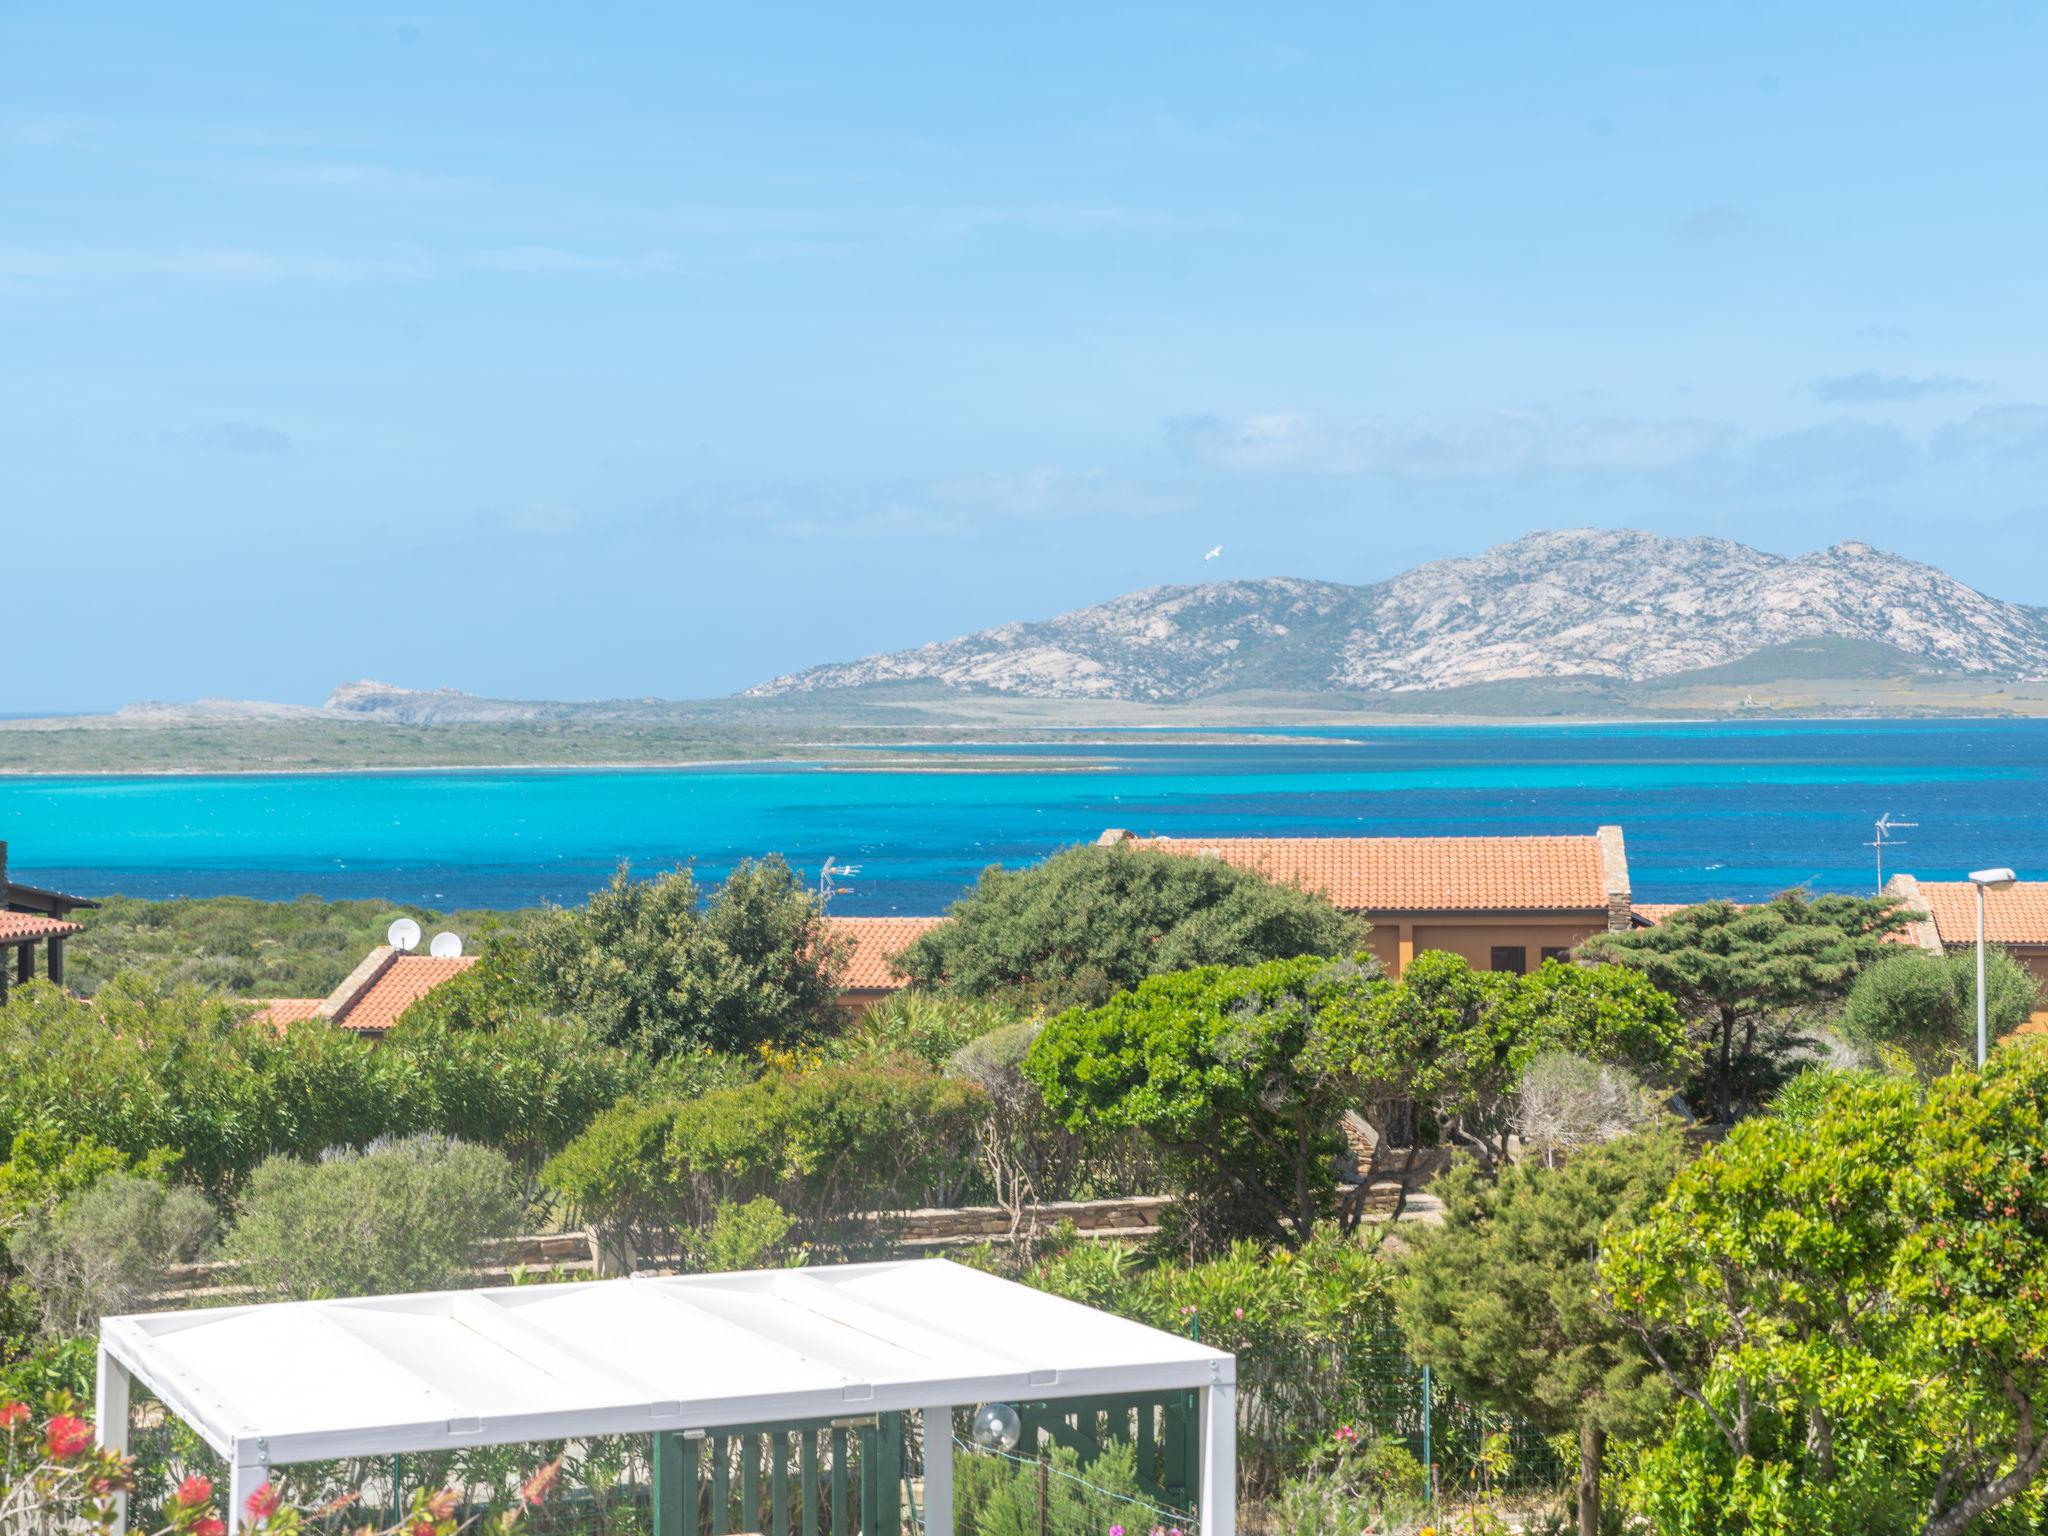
1614	877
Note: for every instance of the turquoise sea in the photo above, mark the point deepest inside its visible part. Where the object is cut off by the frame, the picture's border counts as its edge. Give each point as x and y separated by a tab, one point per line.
1724	809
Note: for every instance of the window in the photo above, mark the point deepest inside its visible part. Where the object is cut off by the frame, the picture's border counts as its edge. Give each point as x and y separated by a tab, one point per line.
1557	952
1510	957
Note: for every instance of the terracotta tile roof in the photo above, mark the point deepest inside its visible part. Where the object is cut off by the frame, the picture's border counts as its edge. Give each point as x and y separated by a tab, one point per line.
286	1010
875	942
1420	874
402	981
1654	912
17	926
2018	915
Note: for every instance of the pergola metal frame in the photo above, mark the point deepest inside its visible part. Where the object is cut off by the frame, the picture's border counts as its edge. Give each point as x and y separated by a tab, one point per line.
648	1355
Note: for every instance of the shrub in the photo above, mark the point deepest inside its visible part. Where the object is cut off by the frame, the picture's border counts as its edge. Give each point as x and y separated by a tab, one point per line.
1026	1154
829	1146
653	967
1238	1075
1566	1102
993	1496
1355	1477
1924	1006
1310	1329
1088	922
140	1067
104	1250
409	1215
524	1083
1849	1306
750	1236
933	1028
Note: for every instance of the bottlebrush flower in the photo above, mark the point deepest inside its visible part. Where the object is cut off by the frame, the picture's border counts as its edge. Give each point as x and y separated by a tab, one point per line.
537	1487
195	1490
262	1504
67	1437
212	1525
12	1414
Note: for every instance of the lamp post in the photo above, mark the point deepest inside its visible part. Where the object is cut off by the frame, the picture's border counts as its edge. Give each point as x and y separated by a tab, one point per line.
1985	880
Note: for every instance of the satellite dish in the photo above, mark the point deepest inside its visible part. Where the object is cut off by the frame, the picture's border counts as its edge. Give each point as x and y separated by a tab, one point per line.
446	946
403	935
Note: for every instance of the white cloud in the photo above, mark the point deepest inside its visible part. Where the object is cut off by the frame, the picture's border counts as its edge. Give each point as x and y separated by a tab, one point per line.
1997	432
1496	445
1873	388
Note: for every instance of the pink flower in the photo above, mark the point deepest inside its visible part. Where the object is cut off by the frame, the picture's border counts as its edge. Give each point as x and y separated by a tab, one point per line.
1238	1312
1116	1530
12	1414
195	1490
262	1504
68	1437
212	1525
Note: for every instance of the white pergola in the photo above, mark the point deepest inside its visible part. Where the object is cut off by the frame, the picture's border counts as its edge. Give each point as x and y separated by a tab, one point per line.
304	1381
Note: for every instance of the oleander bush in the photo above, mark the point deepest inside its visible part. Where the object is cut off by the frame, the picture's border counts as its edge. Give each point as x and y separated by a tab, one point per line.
830	1146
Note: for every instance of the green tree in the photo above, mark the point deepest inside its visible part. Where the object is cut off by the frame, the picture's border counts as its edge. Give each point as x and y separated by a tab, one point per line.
1090	921
1501	1300
408	1215
1744	974
1924	1006
655	967
1239	1075
1449	1044
1849	1307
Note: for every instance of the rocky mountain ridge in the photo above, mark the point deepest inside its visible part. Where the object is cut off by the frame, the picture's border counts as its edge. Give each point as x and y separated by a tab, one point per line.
1583	603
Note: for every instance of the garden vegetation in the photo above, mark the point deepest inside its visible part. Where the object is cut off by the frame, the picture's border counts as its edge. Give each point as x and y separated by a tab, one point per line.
1827	1313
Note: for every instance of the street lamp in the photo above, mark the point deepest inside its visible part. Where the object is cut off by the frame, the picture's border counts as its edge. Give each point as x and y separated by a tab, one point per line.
1985	880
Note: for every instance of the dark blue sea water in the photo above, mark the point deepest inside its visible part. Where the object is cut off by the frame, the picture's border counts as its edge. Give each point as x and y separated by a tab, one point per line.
1740	810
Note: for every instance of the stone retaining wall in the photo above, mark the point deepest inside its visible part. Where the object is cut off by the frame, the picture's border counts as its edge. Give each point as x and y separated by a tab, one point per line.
921	1231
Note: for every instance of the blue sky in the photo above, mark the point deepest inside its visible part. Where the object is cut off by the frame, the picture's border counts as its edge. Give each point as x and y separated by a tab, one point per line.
576	351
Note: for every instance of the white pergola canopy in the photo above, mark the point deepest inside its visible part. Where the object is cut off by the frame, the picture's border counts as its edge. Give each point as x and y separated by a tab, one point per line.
304	1381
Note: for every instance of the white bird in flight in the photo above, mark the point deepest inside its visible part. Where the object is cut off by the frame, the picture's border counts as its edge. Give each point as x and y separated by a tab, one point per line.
1218	550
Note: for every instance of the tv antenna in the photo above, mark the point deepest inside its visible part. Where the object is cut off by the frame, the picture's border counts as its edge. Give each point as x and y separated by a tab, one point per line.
828	887
1884	839
446	946
403	935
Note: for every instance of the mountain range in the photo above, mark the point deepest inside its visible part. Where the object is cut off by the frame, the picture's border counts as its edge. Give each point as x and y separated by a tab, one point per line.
1618	606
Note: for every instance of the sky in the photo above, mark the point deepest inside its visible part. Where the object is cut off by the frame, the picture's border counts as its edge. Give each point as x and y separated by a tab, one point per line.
586	351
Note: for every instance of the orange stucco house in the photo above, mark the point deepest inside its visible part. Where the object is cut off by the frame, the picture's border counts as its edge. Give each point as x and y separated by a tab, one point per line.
1503	903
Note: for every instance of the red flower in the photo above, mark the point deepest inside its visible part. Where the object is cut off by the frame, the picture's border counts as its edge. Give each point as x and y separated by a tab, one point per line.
441	1504
12	1414
261	1504
537	1487
195	1490
68	1437
212	1525
422	1528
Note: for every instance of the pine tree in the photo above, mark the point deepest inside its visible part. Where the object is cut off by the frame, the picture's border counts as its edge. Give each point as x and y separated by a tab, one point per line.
1501	1301
1741	973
